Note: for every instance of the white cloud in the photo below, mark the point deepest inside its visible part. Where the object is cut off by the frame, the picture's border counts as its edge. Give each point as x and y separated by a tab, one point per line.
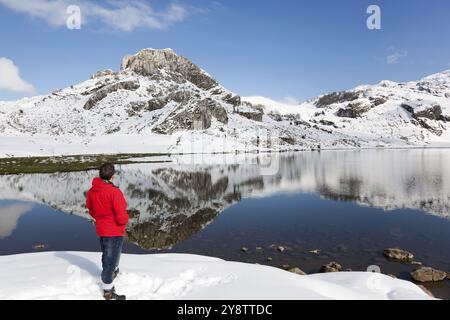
119	14
10	79
290	100
395	57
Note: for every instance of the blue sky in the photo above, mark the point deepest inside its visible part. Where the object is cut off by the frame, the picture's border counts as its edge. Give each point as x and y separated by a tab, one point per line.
274	48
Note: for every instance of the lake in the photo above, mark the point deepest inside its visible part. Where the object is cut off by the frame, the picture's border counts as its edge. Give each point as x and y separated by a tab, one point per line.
344	206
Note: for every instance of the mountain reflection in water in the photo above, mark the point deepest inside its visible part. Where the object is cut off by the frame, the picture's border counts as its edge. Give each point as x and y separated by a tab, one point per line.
170	202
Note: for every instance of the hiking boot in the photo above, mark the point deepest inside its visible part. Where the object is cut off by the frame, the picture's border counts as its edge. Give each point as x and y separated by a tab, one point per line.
112	295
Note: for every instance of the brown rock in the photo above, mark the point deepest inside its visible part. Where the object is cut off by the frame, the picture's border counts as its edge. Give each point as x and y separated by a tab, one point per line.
427	274
297	270
428	292
331	267
397	254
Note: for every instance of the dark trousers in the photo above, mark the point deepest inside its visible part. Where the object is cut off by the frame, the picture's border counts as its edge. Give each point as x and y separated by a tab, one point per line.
111	248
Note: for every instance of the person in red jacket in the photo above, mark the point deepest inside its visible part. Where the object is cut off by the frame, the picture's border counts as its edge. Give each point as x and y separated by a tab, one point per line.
107	205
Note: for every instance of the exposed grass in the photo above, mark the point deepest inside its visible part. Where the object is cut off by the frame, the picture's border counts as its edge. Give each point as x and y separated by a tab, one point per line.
67	163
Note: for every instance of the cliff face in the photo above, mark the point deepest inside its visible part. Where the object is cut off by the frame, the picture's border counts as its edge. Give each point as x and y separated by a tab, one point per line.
149	62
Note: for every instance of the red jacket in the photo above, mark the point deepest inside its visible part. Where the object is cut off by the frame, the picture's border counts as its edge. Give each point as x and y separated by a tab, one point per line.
107	205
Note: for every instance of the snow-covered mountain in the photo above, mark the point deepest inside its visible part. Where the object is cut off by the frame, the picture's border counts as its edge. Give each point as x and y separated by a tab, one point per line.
162	102
415	113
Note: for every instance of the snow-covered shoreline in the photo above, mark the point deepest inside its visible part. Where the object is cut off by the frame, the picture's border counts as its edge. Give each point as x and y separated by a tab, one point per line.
44	146
75	275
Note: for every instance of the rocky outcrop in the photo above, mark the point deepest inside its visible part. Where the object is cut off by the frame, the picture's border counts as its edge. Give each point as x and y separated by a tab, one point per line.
336	97
103	73
181	97
252	115
232	99
427	274
148	62
135	108
198	117
104	91
378	101
353	110
419	109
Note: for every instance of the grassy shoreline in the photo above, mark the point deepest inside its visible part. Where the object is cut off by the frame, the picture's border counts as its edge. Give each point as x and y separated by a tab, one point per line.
52	164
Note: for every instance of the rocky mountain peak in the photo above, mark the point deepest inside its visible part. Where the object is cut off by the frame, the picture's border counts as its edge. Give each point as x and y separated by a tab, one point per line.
148	62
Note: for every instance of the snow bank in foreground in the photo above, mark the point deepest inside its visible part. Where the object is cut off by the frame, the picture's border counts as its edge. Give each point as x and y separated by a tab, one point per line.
74	275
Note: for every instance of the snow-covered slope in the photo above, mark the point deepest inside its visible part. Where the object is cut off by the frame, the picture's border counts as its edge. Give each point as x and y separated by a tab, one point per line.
76	275
162	102
387	114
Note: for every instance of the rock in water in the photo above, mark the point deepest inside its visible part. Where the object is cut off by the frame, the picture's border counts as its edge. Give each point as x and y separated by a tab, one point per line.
331	267
297	270
427	274
397	254
428	292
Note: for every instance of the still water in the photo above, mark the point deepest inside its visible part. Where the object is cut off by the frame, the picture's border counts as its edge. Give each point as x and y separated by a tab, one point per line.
345	206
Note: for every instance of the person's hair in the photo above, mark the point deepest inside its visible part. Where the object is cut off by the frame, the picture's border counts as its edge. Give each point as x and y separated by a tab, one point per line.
107	170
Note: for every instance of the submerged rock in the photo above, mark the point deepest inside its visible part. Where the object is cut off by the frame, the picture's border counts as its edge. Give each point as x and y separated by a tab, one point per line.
397	254
427	274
